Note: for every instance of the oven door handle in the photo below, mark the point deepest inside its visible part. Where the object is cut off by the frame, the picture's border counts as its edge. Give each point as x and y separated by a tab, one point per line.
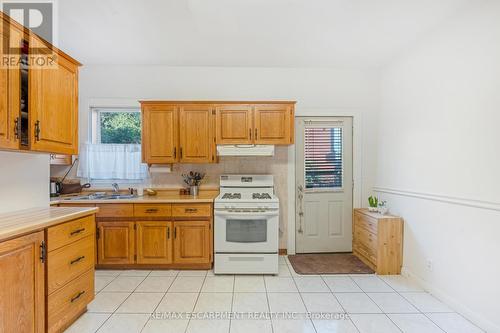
246	215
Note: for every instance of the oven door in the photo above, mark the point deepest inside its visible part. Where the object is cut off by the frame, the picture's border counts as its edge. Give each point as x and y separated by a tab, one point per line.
246	232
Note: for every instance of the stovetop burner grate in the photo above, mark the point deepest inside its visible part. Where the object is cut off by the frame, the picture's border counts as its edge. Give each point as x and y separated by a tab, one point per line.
231	196
261	196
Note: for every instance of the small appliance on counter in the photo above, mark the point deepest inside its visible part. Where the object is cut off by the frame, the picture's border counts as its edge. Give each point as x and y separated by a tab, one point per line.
61	187
246	227
55	188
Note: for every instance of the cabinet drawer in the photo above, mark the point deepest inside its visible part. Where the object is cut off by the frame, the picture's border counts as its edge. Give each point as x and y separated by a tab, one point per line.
69	232
366	238
366	222
154	210
68	262
191	210
115	210
65	304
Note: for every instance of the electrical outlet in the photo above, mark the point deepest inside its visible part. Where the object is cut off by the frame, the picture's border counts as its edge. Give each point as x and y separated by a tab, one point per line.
430	265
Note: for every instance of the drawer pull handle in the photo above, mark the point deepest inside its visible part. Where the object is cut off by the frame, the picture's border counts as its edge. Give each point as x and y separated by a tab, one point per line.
191	210
152	210
77	231
77	296
72	262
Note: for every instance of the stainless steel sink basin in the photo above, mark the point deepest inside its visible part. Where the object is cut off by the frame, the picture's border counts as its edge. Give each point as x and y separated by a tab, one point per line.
102	197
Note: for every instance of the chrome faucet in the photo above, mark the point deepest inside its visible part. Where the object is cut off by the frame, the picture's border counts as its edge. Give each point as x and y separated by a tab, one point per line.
116	188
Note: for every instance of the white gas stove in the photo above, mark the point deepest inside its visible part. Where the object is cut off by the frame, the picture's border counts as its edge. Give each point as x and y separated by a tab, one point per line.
246	225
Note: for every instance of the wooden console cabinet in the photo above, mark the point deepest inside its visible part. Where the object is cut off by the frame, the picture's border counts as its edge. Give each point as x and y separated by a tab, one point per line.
378	241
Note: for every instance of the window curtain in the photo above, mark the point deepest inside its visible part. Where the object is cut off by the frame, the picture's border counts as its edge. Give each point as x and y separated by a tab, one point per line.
111	161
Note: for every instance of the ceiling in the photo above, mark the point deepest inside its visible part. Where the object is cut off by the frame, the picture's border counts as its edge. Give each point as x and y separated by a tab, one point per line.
251	33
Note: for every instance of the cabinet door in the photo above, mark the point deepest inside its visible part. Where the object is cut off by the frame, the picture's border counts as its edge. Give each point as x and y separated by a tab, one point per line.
159	134
22	296
192	242
234	124
273	124
116	243
154	242
9	89
196	134
53	104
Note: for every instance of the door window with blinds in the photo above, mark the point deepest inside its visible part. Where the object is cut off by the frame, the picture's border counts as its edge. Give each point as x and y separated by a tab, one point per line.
323	156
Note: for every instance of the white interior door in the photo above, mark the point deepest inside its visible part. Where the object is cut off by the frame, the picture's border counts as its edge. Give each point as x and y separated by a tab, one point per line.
323	184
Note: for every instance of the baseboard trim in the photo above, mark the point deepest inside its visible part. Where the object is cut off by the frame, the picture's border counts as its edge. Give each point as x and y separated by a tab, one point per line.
440	198
474	317
282	252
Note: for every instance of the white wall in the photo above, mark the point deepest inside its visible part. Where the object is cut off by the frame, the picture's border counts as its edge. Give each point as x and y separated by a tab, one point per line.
439	161
24	181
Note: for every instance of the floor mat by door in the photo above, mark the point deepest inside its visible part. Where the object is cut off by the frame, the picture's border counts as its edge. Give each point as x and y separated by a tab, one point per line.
328	263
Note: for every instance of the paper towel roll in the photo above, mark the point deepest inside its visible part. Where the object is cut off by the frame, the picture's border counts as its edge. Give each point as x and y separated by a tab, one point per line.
158	168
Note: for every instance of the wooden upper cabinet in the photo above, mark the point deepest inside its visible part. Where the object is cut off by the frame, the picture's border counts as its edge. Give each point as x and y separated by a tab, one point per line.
160	134
154	242
116	243
196	132
273	124
234	124
48	87
22	296
9	90
53	105
188	131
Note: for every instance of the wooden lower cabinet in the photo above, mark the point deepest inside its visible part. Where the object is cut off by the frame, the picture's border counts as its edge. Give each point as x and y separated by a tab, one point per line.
154	242
116	242
70	271
125	243
192	242
22	285
66	304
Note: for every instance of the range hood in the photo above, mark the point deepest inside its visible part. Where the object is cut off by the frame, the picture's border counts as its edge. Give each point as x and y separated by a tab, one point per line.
245	150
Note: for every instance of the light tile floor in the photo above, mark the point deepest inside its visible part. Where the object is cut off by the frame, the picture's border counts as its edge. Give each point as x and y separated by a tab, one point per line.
134	300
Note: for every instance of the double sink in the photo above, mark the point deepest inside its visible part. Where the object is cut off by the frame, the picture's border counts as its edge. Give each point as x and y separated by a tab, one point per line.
101	196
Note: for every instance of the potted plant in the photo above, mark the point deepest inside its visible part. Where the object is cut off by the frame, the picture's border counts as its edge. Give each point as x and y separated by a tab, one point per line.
373	204
382	207
193	181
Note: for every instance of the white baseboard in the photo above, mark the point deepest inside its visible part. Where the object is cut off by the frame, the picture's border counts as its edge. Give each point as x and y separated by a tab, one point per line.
474	317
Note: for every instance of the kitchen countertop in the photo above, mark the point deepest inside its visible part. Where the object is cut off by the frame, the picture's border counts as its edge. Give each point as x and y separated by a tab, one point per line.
160	198
18	223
